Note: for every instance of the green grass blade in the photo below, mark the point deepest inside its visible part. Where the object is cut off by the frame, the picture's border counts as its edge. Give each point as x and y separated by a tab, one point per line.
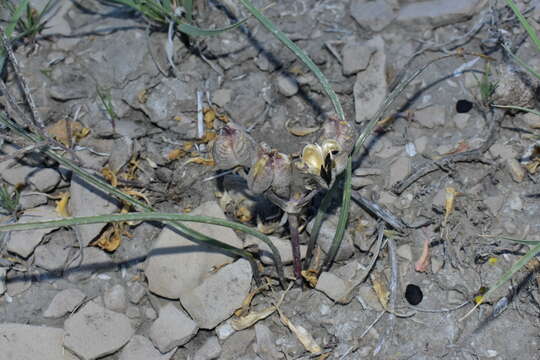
514	269
343	217
184	230
15	17
520	241
521	108
522	63
524	23
299	53
317	223
192	30
188	7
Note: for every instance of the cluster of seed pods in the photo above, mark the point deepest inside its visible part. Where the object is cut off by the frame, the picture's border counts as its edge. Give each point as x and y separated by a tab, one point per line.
273	171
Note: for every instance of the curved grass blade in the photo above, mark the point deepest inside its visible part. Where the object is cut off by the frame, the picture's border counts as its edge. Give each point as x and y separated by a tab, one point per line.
15	17
115	192
188	7
317	223
144	216
521	108
530	31
298	52
343	217
521	62
507	276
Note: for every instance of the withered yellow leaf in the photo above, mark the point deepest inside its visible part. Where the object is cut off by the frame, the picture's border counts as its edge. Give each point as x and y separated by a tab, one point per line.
62	204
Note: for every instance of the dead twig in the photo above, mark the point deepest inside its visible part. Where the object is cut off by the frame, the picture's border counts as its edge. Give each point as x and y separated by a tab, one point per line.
380	212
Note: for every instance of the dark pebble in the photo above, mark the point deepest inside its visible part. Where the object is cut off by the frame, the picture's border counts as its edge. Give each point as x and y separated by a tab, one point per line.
463	106
413	294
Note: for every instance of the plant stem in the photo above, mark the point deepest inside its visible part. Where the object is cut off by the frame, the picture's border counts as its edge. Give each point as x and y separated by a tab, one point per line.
295	243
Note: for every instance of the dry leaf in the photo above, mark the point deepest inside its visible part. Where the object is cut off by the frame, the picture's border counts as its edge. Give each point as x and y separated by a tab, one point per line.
302	334
209	117
311	277
422	263
380	286
136	193
176	154
110	239
250	319
201	161
449	203
62	204
208	136
300	130
109	176
243	214
142	96
59	130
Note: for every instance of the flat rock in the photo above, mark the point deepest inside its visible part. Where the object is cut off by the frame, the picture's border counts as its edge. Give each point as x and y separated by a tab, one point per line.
119	158
18	282
27	342
86	200
283	246
24	242
140	348
18	174
95	331
115	298
437	12
326	236
218	296
355	57
211	349
374	15
514	88
64	302
51	257
30	201
135	292
370	87
44	180
94	260
286	85
172	328
334	287
431	117
176	264
399	169
265	345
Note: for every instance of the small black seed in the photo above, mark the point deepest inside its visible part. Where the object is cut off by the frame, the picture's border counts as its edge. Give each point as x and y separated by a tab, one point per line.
413	294
463	106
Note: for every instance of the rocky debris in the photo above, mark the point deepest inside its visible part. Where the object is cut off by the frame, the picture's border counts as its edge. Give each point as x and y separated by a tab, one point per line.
94	260
399	169
516	170
44	180
87	200
172	328
176	264
265	345
135	292
405	252
140	348
3	274
374	15
119	158
431	116
503	151
356	57
115	298
18	282
211	349
514	88
17	174
437	12
283	246
219	295
51	257
326	236
224	330
370	87
31	200
64	302
24	242
532	120
69	83
237	345
27	342
334	287
367	297
286	85
221	97
95	331
461	120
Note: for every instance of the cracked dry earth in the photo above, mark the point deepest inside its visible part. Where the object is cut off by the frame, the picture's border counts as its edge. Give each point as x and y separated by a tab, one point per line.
149	293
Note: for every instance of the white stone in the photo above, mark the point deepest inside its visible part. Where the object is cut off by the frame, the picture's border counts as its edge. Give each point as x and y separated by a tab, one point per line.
374	15
176	264
370	87
44	180
64	302
115	298
95	331
211	349
356	57
172	328
140	348
24	242
135	292
28	342
86	200
219	295
334	287
224	330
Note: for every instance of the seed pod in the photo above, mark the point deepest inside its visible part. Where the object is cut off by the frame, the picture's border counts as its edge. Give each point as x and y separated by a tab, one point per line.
233	147
281	183
261	174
